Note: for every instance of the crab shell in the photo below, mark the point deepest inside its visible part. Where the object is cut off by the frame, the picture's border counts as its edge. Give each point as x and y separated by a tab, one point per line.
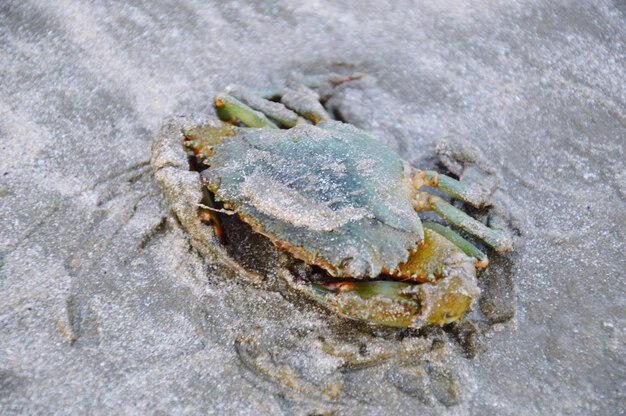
329	194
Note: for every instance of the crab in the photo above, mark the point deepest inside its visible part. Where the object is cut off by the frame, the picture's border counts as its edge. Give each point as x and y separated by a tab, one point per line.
337	199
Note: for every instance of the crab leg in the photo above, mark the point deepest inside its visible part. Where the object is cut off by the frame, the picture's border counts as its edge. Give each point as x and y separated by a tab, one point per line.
256	101
229	108
305	102
465	246
257	107
272	94
452	187
243	106
493	238
208	214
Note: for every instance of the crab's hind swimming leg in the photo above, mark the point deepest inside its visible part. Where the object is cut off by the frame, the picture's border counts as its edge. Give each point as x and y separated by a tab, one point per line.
493	238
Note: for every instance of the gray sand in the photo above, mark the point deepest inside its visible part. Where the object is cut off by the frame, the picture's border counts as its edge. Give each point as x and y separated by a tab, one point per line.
106	308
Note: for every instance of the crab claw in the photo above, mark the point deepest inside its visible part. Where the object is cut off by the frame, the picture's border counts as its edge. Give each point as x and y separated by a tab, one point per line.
402	304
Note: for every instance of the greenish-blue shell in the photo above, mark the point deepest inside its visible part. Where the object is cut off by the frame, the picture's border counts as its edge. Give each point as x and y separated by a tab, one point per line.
330	193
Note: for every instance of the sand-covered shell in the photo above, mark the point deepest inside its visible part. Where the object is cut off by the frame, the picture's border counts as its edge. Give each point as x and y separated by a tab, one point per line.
330	194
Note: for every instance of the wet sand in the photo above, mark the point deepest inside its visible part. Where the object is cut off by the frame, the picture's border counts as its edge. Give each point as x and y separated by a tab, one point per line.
106	308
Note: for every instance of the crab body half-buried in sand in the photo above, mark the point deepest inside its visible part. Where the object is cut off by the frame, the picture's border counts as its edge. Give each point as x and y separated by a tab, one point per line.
336	198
